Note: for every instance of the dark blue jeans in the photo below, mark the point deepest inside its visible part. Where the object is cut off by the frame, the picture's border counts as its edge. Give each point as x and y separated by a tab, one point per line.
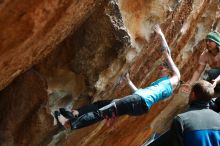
211	75
133	105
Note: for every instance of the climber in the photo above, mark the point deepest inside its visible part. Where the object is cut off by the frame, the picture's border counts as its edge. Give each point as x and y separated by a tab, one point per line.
210	57
136	104
199	125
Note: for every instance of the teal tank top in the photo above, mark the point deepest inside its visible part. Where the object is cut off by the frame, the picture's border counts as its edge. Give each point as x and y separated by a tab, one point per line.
158	90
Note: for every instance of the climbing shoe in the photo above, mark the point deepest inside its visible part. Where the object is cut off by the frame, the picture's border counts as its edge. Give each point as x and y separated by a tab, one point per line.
66	114
56	115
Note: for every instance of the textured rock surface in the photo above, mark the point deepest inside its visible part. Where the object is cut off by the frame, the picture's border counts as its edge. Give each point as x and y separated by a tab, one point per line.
31	29
25	118
54	51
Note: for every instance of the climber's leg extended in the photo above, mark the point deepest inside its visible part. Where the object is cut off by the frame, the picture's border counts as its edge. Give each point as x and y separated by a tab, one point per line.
133	105
86	120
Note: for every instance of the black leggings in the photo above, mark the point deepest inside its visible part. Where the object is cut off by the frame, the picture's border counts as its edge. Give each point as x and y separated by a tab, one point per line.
93	107
133	105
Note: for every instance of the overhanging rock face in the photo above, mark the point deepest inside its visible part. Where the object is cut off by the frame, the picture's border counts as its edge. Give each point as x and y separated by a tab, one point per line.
31	29
54	51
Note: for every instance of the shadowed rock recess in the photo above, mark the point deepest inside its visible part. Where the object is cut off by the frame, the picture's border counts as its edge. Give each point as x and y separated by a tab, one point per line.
68	53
